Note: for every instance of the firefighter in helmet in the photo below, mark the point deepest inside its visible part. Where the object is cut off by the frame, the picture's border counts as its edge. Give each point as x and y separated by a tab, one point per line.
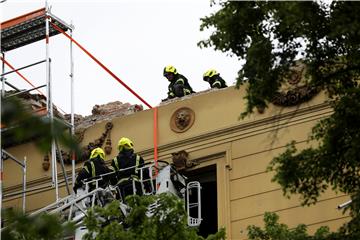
93	167
213	78
127	164
179	86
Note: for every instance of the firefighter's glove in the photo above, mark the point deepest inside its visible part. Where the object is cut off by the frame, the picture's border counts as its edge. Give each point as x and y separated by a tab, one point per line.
75	189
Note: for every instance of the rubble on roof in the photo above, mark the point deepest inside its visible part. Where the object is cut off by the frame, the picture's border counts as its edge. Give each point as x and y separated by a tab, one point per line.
35	102
108	111
104	112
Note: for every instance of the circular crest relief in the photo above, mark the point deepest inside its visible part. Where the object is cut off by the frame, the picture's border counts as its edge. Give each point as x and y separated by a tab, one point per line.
298	90
182	119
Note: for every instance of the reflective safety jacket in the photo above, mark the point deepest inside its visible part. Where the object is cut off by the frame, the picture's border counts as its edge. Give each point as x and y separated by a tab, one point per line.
217	82
92	168
124	161
179	87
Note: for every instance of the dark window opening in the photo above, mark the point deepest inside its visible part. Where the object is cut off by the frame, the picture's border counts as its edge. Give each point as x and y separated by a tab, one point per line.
207	178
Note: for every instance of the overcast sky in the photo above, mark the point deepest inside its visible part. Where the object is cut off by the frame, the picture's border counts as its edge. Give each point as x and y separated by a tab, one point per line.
135	39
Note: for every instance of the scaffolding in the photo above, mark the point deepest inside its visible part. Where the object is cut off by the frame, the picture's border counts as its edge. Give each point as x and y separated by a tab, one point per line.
39	25
16	33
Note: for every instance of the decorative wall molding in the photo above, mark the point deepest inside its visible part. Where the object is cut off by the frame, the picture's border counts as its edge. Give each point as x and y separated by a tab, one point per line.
105	138
295	96
99	142
182	120
296	88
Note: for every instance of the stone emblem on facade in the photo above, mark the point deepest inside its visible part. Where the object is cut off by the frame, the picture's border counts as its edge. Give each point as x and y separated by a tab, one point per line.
296	89
182	119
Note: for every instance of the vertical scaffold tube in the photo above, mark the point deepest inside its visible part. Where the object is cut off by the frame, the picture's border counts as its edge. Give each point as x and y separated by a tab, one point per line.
49	104
1	190
72	108
48	80
1	153
24	187
3	78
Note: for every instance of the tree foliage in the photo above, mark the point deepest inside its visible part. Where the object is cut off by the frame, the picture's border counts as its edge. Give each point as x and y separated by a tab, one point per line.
167	221
271	37
23	125
275	230
19	124
40	227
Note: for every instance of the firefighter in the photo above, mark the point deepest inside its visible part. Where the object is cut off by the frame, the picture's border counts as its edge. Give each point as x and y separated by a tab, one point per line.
213	78
179	86
127	164
93	167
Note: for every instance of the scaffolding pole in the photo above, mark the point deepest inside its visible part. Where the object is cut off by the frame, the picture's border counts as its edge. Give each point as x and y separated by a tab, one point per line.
50	105
54	147
2	76
24	187
1	190
63	168
24	67
6	155
30	25
72	107
20	75
1	152
25	91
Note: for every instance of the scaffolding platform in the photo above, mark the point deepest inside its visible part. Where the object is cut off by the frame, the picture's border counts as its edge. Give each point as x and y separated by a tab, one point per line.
20	31
28	28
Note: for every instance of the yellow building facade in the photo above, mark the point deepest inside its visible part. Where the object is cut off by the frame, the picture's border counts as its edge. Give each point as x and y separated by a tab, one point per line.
230	155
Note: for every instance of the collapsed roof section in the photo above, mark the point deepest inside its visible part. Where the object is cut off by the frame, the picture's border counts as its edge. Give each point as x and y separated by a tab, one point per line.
36	103
104	112
28	28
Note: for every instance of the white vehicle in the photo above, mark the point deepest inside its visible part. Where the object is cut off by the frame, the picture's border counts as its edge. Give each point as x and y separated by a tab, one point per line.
155	178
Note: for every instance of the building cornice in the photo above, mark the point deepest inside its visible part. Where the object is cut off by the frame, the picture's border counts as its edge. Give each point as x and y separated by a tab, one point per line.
264	124
221	136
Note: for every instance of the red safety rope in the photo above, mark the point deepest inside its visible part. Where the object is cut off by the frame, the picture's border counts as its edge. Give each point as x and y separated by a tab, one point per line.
155	136
122	83
101	65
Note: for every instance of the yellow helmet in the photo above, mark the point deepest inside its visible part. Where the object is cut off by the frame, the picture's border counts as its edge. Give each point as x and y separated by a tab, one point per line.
170	69
125	143
210	73
97	152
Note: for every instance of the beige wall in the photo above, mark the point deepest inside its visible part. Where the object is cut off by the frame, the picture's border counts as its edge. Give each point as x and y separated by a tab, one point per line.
241	150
